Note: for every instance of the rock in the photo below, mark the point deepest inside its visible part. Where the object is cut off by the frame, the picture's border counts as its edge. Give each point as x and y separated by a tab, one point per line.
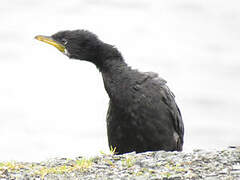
199	164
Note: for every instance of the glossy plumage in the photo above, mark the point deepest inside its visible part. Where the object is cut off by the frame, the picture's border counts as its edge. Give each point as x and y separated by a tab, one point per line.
142	114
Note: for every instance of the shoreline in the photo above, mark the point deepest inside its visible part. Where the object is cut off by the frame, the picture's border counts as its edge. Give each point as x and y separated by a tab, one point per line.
197	164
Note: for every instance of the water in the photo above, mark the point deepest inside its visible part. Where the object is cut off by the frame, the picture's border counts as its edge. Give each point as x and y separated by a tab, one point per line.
52	106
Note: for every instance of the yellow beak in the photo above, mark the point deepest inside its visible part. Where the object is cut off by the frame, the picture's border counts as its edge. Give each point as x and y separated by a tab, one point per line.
51	41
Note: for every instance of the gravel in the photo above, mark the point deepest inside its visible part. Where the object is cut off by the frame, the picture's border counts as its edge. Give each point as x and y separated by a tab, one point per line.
198	164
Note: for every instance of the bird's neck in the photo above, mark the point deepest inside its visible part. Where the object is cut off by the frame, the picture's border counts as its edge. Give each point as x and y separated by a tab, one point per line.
116	78
115	71
108	58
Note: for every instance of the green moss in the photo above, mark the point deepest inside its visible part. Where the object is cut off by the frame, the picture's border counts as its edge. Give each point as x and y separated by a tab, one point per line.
128	162
109	162
84	164
176	168
11	166
112	150
40	170
80	165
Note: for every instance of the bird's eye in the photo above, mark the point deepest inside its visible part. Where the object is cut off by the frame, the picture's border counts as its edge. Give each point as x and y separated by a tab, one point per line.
64	41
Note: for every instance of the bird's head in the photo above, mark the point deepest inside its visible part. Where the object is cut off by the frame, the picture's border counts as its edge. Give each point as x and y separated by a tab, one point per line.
77	44
82	45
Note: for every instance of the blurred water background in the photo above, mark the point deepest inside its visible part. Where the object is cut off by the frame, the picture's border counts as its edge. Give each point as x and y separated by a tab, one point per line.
52	106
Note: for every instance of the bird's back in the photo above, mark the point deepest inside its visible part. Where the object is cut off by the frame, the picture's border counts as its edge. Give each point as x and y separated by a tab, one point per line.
145	115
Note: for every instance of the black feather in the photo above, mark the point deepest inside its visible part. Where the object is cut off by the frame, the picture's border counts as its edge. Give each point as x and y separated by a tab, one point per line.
142	114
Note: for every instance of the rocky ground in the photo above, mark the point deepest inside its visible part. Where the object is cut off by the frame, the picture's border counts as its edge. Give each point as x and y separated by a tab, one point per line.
198	164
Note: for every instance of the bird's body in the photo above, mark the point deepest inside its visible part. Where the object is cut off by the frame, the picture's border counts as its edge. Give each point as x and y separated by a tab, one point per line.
142	114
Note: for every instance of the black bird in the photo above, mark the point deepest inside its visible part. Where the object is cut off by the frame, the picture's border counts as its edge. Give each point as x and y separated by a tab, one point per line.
142	114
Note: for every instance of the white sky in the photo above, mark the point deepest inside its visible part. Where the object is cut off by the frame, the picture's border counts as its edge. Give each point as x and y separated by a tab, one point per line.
52	106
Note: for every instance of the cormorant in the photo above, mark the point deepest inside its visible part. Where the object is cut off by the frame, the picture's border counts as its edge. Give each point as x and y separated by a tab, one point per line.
142	114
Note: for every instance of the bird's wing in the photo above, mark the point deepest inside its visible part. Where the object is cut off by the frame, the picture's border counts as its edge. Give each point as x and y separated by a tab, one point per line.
150	75
169	99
